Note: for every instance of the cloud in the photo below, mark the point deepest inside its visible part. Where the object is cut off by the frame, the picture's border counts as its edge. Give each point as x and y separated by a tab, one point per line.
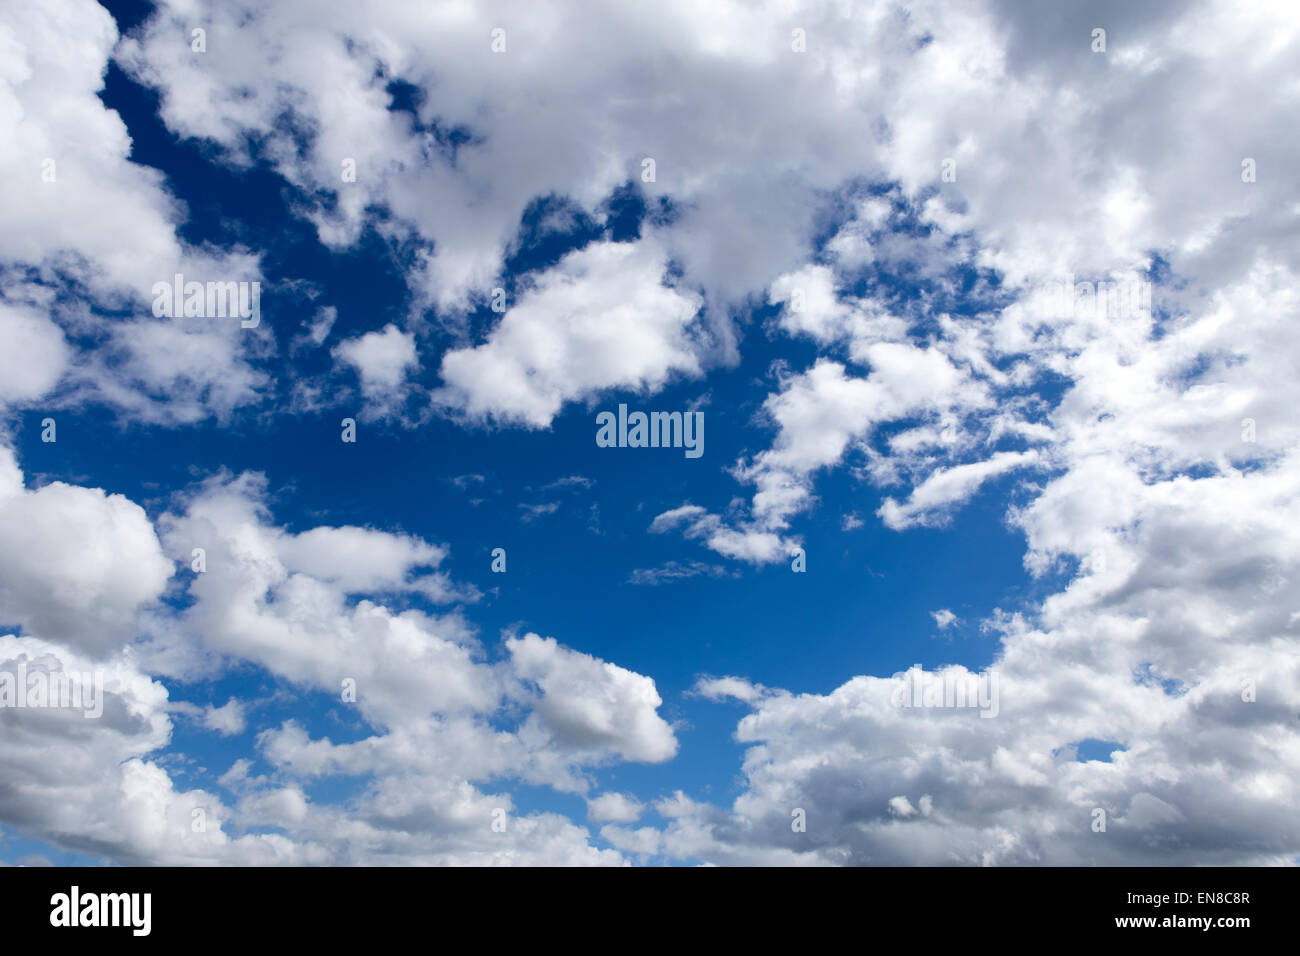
601	319
76	564
746	544
121	238
675	571
362	560
89	786
615	807
33	354
645	841
226	720
277	600
930	500
590	705
530	513
383	361
86	220
1164	537
943	618
733	688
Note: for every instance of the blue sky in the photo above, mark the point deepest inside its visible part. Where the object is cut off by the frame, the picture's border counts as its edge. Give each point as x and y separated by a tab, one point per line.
1066	508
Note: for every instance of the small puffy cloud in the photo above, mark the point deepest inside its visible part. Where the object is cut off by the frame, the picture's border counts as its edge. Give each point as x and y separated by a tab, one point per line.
33	353
735	688
601	319
362	560
591	705
645	841
383	361
746	543
227	720
614	807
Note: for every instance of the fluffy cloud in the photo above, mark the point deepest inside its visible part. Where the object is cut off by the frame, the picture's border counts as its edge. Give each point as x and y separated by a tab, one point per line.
1173	522
603	318
382	360
278	600
84	208
34	354
615	807
1156	450
884	783
90	785
591	705
85	217
944	618
227	720
76	564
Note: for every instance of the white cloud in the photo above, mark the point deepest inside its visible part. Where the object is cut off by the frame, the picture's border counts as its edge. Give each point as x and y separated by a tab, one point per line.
276	599
102	218
82	212
644	841
89	785
930	500
76	564
227	720
614	807
383	361
362	560
1176	534
745	544
590	705
601	319
671	571
723	688
33	354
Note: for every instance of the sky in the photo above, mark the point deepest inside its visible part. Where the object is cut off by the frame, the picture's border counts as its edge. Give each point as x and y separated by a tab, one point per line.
983	547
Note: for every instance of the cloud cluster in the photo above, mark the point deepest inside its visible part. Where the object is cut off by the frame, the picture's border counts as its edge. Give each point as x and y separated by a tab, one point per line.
84	218
902	192
441	720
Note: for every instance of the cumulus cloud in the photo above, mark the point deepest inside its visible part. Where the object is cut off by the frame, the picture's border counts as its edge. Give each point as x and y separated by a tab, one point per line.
614	807
1155	452
72	153
227	720
76	564
34	354
278	600
590	705
92	785
383	361
735	688
86	217
603	318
